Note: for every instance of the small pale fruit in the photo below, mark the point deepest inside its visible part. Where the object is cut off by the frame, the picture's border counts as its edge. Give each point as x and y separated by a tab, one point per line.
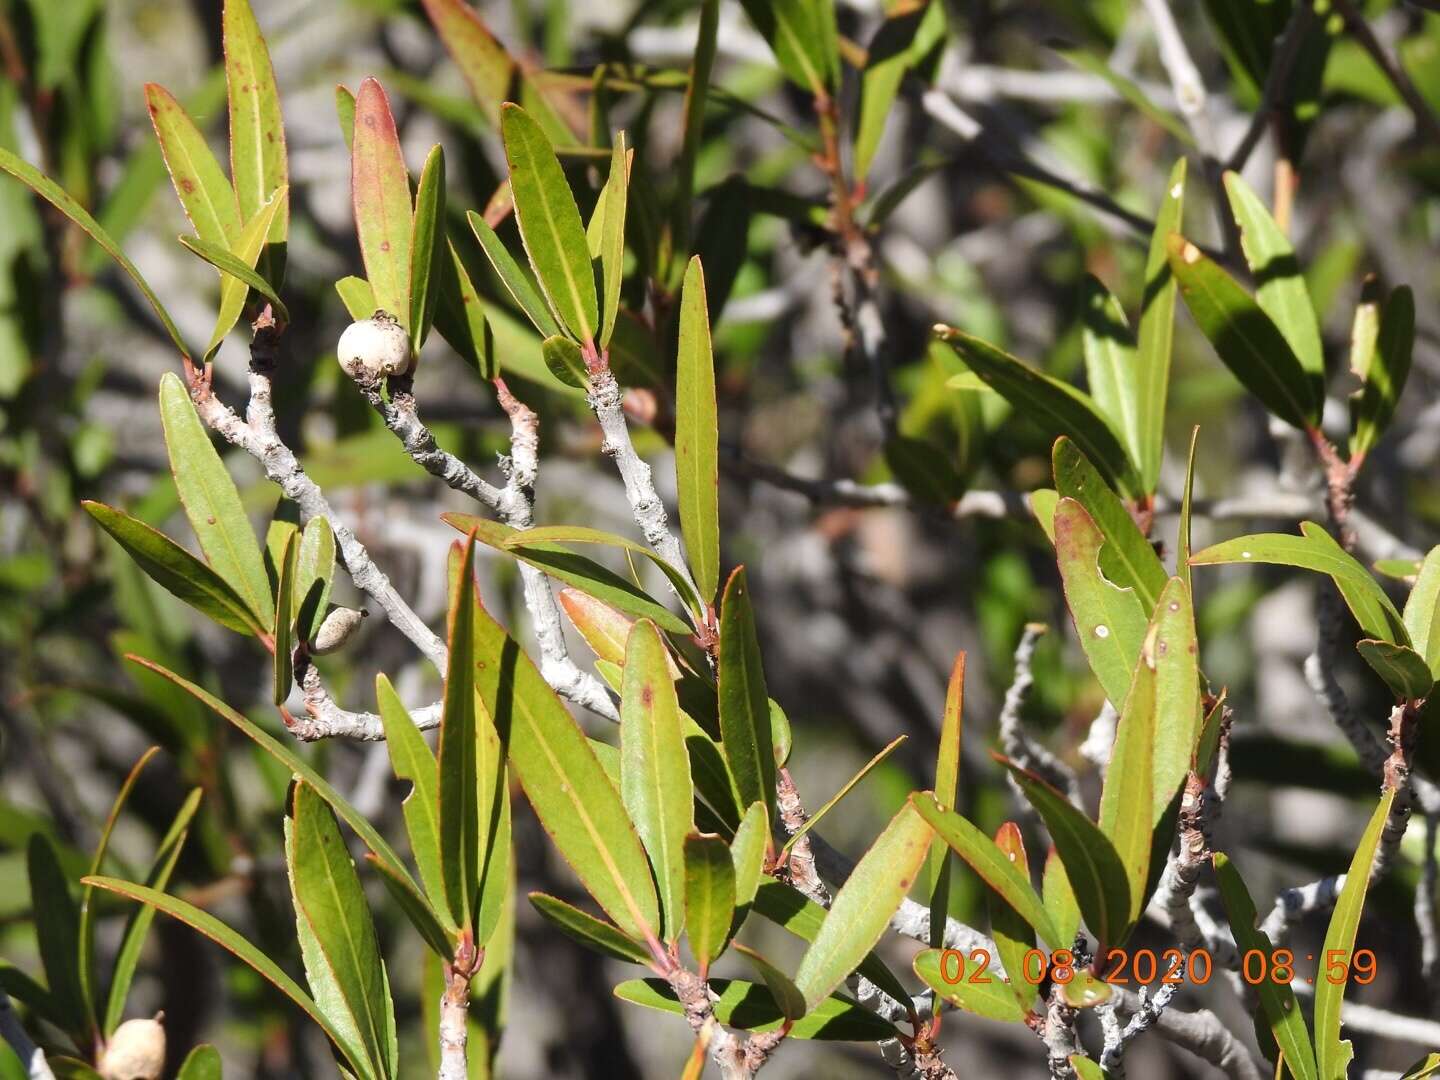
339	626
373	348
136	1051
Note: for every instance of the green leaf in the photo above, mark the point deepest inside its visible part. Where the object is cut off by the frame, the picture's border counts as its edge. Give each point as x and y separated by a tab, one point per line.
1096	873
744	702
357	296
1244	337
57	933
345	113
380	191
212	503
994	866
747	852
177	571
1060	902
239	945
1427	1066
414	763
655	769
205	193
137	929
1128	91
462	818
1086	1069
284	632
428	246
611	211
314	572
709	896
1129	782
697	435
516	281
786	994
234	291
903	40
563	564
460	315
845	789
257	128
1111	366
1282	1012
549	223
1182	539
202	1063
328	891
1422	610
863	906
1109	620
988	994
751	1007
1042	504
1279	285
1315	549
1172	651
802	35
1333	1053
589	931
564	781
562	356
1156	332
697	90
286	756
924	470
227	263
1127	560
1401	667
1014	937
945	792
57	197
1056	407
424	916
1374	408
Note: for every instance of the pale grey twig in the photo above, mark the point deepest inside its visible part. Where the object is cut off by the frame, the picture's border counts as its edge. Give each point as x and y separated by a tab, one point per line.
1425	906
1014	740
1291	904
1419	1030
1203	1034
1112	1057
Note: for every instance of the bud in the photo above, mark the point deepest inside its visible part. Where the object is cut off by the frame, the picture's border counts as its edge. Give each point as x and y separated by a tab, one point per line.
339	626
136	1051
373	348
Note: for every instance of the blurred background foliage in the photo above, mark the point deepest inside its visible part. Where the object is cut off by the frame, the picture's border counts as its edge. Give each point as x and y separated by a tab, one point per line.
862	609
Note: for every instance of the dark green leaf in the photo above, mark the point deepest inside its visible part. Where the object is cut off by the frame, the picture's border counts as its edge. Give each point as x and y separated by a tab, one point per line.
57	933
751	1007
224	261
786	994
1372	411
428	246
460	315
202	1063
709	896
562	356
802	35
1401	667
589	931
744	703
284	631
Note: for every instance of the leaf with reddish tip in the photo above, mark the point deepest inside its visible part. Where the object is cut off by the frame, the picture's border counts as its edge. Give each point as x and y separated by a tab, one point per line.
380	192
257	128
204	191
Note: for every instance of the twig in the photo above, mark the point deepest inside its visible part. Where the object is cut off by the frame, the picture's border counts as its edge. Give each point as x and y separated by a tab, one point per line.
1112	1057
1291	904
1277	79
454	1007
1419	1030
324	719
1360	30
30	1055
1017	744
1203	1034
1425	907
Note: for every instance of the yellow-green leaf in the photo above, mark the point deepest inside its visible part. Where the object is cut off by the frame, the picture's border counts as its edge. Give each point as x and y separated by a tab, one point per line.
697	435
428	246
744	704
946	791
1126	800
802	35
224	261
205	193
1422	610
233	290
1156	332
986	994
786	994
589	931
1403	670
516	281
709	895
257	129
613	199
462	818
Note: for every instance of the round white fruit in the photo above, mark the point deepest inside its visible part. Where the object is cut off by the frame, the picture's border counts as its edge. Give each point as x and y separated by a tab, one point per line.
374	348
135	1052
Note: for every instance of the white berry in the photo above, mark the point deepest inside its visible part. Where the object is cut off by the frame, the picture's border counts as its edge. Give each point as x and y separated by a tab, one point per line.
373	348
337	628
135	1052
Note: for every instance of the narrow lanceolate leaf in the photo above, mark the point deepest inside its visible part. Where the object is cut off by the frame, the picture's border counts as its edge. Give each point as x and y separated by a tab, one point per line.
461	825
1014	937
1372	410
242	948
1130	92
905	38
1277	1000
357	296
313	574
415	906
202	1063
1111	367
612	236
786	994
516	281
550	223
802	35
1401	667
1315	549
1109	620
655	769
1333	1053
212	503
1172	651
460	316
257	129
428	246
1060	903
328	890
845	789
1056	407
751	1007
233	290
702	64
864	904
709	895
1127	559
380	193
579	534
1095	871
284	632
1422	610
747	852
952	976
63	201
744	703
589	931
564	781
57	933
1129	782
204	191
1244	337
177	571
1279	285
414	763
1156	332
1182	540
947	785
226	262
345	113
995	868
697	435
